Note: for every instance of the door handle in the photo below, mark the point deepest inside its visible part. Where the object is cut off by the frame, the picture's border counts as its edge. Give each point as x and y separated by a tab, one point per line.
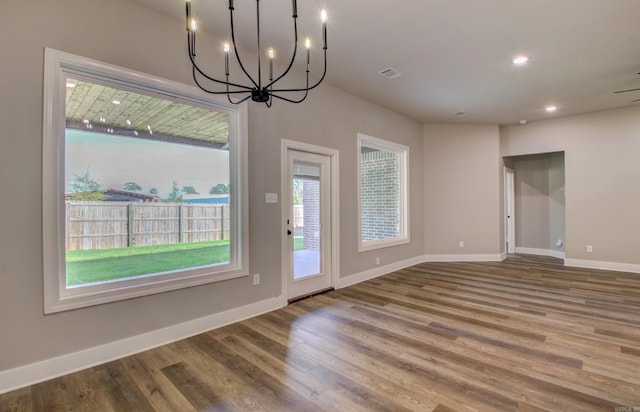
288	232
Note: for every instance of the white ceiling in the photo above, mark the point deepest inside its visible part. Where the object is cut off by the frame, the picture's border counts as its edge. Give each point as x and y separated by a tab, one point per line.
455	55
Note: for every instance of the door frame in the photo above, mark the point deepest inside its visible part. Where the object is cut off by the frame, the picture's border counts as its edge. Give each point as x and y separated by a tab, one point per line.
510	205
334	210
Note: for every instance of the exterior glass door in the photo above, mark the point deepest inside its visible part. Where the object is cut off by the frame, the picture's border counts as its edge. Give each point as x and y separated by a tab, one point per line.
309	223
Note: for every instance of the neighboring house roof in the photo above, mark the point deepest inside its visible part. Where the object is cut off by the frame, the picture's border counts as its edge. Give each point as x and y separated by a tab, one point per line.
120	195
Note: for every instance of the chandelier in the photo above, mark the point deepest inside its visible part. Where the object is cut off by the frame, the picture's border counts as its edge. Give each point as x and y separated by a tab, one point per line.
256	89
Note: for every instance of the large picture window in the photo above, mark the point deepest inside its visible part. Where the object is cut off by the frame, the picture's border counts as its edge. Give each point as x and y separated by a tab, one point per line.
143	185
382	192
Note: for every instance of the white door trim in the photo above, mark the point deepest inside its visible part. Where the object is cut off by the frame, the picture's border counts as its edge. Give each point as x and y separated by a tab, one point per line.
510	206
333	154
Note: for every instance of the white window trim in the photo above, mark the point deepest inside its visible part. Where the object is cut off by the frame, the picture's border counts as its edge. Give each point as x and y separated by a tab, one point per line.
57	297
403	151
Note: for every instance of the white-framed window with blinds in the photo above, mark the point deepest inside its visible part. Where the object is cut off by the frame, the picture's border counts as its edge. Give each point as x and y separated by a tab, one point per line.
382	193
144	185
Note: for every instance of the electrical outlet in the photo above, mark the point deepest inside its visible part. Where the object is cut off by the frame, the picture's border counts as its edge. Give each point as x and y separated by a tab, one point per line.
589	249
256	279
377	260
461	243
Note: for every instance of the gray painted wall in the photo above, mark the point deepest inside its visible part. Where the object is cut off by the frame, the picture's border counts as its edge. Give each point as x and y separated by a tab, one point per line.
463	193
602	177
123	33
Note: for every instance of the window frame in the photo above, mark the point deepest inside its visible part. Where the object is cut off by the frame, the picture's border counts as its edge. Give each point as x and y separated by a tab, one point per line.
403	151
57	296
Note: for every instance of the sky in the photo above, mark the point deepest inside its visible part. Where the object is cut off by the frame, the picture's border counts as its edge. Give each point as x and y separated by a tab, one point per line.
115	160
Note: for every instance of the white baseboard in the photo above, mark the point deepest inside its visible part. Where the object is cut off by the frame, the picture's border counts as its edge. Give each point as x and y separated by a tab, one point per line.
603	265
378	271
498	257
33	373
541	252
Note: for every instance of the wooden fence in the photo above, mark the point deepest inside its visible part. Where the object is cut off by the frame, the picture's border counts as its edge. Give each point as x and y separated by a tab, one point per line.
106	225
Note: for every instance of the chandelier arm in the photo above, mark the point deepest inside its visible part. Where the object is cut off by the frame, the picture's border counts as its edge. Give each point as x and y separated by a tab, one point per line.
195	79
239	101
203	74
306	93
235	48
293	56
308	88
291	100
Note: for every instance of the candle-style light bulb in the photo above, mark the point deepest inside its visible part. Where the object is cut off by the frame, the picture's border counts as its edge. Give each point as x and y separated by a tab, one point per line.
307	44
192	31
226	59
271	54
324	17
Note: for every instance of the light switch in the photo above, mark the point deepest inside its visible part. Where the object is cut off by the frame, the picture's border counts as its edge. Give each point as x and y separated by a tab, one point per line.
271	198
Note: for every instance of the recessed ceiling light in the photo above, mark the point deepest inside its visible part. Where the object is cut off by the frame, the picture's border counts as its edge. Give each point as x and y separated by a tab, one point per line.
550	109
523	121
520	60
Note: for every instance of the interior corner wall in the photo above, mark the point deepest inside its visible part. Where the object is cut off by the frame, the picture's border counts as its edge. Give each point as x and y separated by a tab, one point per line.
602	181
124	33
557	225
463	190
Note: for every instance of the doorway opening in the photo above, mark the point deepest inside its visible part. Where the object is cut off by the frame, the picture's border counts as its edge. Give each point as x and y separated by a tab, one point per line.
535	204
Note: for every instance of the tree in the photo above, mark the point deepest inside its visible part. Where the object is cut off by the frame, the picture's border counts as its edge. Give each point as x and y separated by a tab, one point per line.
174	196
219	189
84	183
189	190
86	188
132	186
153	191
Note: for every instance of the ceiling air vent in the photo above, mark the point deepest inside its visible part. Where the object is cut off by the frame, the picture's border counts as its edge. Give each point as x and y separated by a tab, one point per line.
390	73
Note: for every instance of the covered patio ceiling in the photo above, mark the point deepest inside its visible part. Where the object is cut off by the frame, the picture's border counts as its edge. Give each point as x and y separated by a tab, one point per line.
95	108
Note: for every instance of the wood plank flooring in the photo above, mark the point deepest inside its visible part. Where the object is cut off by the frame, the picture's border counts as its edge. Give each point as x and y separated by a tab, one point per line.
524	335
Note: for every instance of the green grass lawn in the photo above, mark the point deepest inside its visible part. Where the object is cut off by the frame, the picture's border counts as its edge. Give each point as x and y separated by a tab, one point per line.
90	266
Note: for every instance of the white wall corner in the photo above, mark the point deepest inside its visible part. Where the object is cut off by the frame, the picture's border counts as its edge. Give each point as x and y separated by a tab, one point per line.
378	271
603	265
33	373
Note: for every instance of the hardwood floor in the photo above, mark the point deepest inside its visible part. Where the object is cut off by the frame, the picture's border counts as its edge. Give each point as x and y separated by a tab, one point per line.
525	335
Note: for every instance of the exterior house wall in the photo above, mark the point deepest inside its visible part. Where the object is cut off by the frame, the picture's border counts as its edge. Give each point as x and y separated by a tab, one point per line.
380	195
